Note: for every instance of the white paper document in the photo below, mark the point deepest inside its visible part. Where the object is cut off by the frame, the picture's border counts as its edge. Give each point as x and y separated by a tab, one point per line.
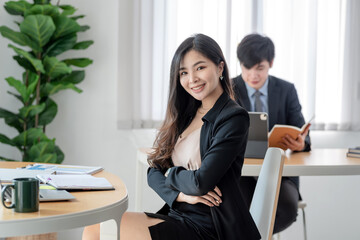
8	174
76	182
64	169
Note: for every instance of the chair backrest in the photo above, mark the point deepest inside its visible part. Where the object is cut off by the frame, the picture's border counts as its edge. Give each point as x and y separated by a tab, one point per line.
265	198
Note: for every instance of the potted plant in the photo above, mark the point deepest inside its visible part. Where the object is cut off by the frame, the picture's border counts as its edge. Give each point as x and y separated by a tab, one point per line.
45	31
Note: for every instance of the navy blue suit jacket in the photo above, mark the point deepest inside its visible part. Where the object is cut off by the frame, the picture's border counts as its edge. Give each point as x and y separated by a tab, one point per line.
283	103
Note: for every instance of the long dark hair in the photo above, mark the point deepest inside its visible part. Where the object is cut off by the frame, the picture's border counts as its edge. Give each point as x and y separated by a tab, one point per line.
182	107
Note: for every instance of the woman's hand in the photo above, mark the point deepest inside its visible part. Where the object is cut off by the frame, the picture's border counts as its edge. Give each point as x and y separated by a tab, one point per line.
211	199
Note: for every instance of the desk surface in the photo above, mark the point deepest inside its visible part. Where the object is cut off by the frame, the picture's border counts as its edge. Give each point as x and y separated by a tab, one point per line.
88	208
317	162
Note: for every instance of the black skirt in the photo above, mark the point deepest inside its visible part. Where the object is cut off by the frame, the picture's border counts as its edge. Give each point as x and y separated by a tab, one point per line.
175	229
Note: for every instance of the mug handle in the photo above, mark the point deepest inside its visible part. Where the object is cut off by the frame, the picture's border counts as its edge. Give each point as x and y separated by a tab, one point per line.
3	196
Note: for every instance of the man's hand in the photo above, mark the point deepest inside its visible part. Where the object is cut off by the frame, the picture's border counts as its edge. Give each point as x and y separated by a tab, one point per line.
297	144
211	199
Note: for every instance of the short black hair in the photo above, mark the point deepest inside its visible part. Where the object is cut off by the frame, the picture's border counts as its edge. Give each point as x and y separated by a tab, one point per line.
255	48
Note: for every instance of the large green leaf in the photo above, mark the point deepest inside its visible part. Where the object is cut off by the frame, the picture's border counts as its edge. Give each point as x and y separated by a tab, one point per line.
23	62
52	88
42	1
11	119
67	10
31	110
17	96
39	28
61	45
36	63
31	88
84	28
48	115
19	38
7	114
78	62
14	36
46	158
48	10
29	77
17	8
30	137
43	151
60	154
65	26
77	17
19	86
5	140
41	148
16	123
24	91
55	68
74	77
83	45
7	159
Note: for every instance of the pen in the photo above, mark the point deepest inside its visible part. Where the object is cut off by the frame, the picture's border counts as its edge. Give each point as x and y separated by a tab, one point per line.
47	180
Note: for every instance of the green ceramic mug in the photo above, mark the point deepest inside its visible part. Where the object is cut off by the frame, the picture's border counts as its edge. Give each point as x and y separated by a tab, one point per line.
25	195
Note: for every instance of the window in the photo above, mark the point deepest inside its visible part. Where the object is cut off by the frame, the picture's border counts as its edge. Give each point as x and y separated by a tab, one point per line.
316	48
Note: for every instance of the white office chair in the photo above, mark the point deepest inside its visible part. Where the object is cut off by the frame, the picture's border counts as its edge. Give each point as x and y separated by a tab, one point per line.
108	230
264	202
265	198
301	205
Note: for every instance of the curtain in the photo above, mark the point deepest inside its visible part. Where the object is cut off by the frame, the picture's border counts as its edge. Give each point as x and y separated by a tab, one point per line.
316	48
350	104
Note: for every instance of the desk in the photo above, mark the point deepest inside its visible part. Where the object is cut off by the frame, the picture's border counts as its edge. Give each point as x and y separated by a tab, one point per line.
317	162
89	207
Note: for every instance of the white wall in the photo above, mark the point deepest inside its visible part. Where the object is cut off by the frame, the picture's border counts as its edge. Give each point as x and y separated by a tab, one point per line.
85	127
332	210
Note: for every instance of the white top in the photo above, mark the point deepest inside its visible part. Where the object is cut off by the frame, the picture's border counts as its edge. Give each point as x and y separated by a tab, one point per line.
187	151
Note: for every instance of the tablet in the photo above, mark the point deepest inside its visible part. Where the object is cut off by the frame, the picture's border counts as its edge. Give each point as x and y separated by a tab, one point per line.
257	143
46	195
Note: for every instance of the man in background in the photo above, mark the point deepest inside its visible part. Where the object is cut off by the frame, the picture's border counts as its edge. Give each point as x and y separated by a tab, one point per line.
257	91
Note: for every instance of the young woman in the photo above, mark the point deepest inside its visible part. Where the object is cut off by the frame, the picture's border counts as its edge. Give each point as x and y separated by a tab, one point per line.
198	155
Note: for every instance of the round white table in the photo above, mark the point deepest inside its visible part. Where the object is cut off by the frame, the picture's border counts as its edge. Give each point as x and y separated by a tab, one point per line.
89	207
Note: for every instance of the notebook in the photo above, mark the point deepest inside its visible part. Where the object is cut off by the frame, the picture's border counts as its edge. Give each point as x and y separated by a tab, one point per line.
76	182
257	143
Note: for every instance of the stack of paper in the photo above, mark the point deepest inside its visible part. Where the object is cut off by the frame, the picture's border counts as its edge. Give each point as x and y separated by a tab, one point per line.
64	169
76	182
353	152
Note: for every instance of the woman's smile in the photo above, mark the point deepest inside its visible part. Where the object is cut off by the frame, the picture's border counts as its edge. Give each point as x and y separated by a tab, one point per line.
198	88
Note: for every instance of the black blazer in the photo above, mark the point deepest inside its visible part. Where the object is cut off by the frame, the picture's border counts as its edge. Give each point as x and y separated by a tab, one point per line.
222	146
283	103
